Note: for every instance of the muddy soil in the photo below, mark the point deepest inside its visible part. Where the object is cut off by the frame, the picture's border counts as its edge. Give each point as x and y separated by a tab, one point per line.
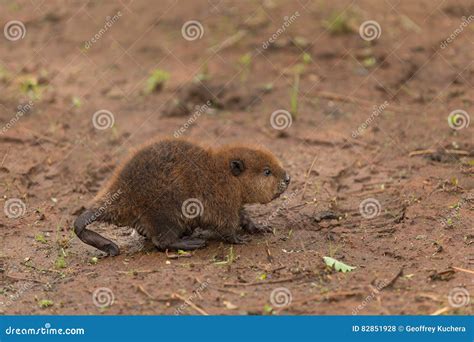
382	180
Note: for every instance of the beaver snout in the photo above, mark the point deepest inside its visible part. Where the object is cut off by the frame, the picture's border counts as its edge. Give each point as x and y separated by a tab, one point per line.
283	185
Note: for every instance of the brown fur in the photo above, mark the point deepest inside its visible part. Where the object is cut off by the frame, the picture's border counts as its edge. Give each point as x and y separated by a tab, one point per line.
147	192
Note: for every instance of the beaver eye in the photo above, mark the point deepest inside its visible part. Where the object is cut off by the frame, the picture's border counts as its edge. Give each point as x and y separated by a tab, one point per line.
267	172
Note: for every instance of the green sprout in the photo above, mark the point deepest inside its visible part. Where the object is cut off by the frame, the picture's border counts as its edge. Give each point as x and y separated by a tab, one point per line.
339	23
76	101
45	303
156	81
294	95
229	259
337	265
60	262
30	86
245	62
40	238
307	59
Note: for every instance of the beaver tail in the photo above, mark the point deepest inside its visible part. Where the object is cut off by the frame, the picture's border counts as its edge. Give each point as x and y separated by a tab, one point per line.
92	238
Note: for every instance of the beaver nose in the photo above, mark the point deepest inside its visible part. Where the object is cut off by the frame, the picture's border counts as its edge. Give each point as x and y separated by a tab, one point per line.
287	179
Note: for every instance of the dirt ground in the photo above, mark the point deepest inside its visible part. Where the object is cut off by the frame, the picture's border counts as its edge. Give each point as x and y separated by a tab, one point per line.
413	249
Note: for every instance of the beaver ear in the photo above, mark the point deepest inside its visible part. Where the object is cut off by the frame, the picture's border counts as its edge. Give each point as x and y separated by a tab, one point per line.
237	167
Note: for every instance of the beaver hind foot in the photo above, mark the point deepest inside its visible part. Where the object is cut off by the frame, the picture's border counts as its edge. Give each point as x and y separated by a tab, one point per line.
186	243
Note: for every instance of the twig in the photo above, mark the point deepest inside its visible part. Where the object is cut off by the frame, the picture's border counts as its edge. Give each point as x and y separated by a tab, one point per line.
191	304
441	311
307	176
329	296
256	283
421	152
269	254
25	279
298	205
145	292
343	98
14	140
317	142
431	151
462	270
4	158
38	135
177	255
136	271
428	296
228	42
393	280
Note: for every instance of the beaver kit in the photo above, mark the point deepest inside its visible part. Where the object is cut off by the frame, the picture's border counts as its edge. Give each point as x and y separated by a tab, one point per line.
169	188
